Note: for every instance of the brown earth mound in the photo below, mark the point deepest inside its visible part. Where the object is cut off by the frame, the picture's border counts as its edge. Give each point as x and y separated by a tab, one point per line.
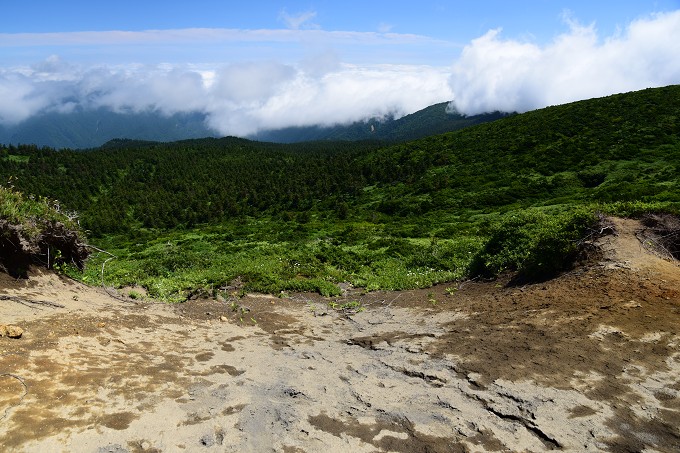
54	244
662	234
589	361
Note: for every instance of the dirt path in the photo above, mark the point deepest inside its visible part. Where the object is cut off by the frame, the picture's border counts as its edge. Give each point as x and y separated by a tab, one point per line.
586	362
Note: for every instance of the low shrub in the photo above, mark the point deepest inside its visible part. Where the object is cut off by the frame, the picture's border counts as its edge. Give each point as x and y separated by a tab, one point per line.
537	245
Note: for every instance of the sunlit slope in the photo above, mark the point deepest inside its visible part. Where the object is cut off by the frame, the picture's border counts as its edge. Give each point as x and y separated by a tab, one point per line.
619	148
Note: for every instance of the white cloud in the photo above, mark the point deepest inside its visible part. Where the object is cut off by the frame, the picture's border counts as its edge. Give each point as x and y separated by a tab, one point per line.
20	98
218	45
196	36
349	94
166	91
493	73
300	20
251	82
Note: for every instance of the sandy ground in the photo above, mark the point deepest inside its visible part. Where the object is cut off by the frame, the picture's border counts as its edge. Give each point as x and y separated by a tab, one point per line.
589	361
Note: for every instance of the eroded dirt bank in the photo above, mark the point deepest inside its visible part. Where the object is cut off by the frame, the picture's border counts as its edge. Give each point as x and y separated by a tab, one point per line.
586	362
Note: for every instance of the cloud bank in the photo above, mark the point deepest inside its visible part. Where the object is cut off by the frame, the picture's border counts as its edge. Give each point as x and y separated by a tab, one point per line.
238	99
493	73
241	98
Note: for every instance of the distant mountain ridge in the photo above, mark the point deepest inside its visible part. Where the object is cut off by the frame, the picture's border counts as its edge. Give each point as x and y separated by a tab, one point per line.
93	128
432	120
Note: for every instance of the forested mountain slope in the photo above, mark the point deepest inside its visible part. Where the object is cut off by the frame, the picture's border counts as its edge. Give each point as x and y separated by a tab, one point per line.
619	148
159	185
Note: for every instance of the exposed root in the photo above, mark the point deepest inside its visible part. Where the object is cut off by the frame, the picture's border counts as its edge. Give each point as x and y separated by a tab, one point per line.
661	235
29	303
110	291
23	383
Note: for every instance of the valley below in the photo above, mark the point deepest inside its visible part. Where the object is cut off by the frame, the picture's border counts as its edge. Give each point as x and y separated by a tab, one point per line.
588	361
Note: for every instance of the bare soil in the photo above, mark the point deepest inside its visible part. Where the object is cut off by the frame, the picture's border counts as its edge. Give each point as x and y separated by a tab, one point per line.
589	361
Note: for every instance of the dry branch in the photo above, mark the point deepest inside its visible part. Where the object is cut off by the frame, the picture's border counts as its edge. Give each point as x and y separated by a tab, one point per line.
111	257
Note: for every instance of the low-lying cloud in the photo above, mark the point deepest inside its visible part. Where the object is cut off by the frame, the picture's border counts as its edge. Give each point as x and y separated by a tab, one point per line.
241	98
238	99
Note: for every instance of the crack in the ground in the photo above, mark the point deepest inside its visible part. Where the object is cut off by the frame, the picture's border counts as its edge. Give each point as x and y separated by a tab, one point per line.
462	375
434	381
447	405
547	440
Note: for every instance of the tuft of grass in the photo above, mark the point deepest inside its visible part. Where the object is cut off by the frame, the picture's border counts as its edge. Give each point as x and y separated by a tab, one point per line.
33	214
353	306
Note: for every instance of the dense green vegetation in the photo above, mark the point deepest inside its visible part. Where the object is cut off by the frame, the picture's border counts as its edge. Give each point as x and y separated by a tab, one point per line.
513	194
128	185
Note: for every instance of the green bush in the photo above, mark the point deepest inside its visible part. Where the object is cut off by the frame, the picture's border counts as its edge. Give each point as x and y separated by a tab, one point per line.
537	245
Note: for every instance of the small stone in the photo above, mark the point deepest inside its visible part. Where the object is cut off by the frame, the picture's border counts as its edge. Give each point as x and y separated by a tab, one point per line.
15	331
208	440
11	331
223	318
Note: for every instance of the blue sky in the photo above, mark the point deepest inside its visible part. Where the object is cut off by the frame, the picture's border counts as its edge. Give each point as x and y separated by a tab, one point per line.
449	20
263	64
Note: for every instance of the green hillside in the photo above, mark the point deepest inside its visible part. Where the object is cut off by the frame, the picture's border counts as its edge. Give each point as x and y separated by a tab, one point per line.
514	194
